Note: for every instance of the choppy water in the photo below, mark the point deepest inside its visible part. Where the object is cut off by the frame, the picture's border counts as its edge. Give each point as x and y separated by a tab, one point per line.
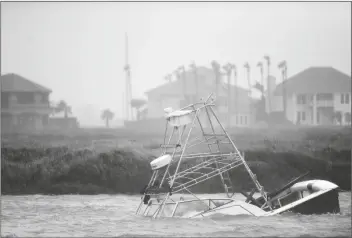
113	215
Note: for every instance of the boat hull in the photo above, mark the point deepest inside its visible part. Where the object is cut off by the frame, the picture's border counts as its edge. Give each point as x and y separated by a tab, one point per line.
327	202
322	198
234	208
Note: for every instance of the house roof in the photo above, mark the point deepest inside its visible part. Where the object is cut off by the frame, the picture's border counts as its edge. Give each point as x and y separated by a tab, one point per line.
316	80
205	77
16	83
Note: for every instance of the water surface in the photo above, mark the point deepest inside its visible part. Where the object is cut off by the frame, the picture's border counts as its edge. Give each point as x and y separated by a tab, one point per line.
113	215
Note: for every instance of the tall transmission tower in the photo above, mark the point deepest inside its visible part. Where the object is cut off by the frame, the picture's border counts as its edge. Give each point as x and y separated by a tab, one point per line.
128	92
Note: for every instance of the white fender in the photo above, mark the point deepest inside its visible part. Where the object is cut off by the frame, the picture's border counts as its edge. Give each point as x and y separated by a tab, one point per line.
160	162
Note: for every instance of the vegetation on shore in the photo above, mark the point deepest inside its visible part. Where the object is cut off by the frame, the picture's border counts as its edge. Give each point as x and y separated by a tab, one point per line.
59	171
44	164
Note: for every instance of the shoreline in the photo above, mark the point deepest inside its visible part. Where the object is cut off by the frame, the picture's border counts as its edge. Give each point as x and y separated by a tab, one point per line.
69	162
25	172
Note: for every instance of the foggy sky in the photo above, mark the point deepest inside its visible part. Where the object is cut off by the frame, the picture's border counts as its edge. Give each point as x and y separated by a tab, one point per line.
77	49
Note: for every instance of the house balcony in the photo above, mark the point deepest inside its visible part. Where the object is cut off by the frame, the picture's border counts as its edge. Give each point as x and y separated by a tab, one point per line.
39	108
322	103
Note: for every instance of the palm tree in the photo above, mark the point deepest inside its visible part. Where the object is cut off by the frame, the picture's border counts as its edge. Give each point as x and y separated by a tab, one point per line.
168	78
261	89
194	68
282	65
260	106
177	73
182	71
235	85
62	106
216	67
53	108
137	104
338	117
228	69
267	58
246	66
107	115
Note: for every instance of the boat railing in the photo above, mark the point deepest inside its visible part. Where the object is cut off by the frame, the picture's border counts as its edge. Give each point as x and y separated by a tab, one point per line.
202	178
173	208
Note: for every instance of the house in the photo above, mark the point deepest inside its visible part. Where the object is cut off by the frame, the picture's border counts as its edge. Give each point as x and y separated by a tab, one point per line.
314	97
24	104
61	121
195	86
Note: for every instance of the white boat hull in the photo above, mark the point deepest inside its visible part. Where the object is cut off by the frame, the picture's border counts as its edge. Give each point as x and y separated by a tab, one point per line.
316	188
233	209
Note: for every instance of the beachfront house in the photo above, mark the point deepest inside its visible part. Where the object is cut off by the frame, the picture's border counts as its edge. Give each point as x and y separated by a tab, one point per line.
316	96
199	84
24	104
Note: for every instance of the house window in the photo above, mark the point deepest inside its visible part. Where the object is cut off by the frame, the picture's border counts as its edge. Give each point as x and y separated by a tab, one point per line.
348	118
4	100
324	96
45	98
25	98
298	116
345	98
318	117
245	120
301	116
241	120
301	99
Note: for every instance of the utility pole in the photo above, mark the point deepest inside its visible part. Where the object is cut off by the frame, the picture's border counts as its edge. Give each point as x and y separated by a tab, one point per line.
182	72
194	68
267	58
123	105
246	65
235	91
260	65
283	66
128	92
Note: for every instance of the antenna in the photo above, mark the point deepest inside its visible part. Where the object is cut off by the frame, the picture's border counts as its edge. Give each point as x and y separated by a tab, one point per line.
123	105
128	82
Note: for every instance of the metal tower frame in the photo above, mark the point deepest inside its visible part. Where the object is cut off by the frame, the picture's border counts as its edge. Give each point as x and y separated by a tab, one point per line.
176	176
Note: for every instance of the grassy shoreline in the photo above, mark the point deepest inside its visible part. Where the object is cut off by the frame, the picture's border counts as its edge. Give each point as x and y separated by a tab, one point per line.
83	172
65	163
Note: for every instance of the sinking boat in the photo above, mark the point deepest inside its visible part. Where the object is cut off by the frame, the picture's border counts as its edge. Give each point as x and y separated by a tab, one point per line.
181	167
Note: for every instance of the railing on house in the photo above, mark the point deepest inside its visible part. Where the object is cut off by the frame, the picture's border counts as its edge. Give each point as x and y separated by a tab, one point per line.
322	103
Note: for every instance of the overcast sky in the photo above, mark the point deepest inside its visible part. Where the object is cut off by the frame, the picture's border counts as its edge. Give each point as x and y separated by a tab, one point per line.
77	49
